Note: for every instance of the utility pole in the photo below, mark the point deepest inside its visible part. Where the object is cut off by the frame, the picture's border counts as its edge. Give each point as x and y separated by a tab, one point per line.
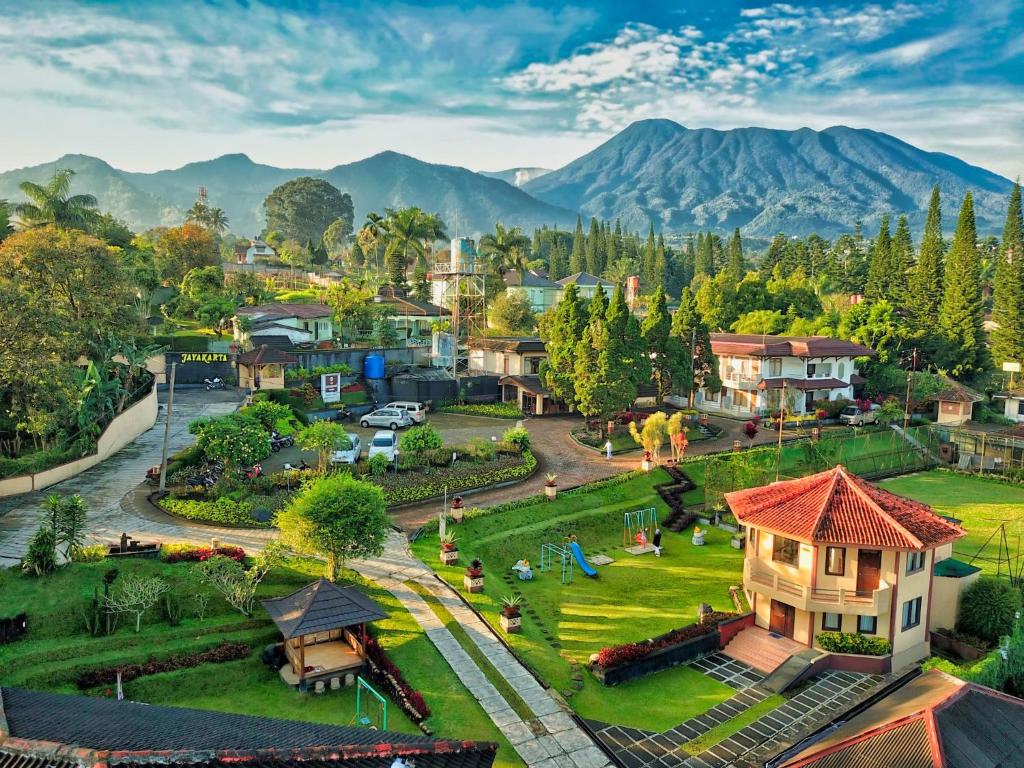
910	378
693	366
782	421
167	429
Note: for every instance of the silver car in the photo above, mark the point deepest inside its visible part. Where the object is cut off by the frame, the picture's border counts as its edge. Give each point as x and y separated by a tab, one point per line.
383	443
392	418
350	456
417	411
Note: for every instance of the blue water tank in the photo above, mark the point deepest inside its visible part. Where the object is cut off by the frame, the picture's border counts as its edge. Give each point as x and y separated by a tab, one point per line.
373	367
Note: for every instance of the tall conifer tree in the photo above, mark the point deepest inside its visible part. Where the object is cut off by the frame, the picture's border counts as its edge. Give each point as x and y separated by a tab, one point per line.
901	256
877	286
1008	287
578	260
736	266
925	283
960	314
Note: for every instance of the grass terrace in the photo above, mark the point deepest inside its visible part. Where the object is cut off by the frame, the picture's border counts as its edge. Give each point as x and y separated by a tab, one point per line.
633	598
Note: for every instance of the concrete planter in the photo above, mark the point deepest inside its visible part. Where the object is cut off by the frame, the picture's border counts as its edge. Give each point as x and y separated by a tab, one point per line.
736	542
473	584
449	556
951	645
512	625
551	491
456	514
646	465
663	658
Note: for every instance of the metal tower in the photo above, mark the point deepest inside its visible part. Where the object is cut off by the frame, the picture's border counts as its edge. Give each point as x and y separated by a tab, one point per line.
460	287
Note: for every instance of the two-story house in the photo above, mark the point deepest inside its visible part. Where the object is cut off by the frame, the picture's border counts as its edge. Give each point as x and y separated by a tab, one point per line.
832	552
756	371
516	361
247	254
541	292
299	323
413	319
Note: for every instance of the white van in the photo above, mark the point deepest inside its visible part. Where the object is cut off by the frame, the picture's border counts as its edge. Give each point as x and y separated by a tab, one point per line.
417	411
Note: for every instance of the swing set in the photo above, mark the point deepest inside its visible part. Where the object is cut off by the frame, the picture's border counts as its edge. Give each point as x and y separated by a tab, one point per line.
369	705
549	553
638	529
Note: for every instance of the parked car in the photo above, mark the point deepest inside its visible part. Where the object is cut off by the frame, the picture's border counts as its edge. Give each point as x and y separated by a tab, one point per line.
417	411
351	456
385	443
855	417
392	418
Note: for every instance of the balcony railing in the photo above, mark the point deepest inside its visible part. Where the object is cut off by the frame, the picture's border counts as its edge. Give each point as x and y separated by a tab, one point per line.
809	598
740	380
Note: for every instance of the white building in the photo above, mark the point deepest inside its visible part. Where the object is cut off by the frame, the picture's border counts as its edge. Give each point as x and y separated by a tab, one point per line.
755	370
256	248
541	292
299	323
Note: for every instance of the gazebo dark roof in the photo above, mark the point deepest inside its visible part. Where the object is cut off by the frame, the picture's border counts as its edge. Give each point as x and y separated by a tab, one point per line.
319	607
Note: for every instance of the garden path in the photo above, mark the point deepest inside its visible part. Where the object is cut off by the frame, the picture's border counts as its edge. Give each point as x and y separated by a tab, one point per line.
552	739
106	484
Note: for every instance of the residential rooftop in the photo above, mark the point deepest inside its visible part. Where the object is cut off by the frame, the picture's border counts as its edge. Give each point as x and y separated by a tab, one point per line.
758	345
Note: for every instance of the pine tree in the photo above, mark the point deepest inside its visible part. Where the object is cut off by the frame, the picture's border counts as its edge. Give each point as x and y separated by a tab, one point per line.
647	268
420	283
578	259
877	286
901	257
561	331
925	283
736	267
558	263
1008	287
593	394
660	259
611	254
776	251
594	248
394	259
598	304
692	332
624	333
670	365
960	315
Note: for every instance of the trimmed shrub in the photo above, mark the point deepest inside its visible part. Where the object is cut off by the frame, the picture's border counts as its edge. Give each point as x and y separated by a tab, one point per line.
418	440
390	677
851	642
226	651
615	655
378	464
492	410
517	436
93	553
988	608
222	510
190	553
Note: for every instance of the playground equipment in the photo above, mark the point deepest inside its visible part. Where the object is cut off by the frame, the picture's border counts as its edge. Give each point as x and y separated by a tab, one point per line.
638	529
523	570
363	718
580	558
549	553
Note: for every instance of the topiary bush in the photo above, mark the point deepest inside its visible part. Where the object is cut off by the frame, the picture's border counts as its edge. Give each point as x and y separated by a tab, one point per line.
517	436
851	642
988	608
420	439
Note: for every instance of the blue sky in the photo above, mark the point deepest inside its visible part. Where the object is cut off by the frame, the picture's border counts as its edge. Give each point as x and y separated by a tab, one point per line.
150	85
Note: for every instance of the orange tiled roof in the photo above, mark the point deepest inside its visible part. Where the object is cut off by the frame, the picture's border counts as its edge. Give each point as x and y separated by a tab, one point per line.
837	507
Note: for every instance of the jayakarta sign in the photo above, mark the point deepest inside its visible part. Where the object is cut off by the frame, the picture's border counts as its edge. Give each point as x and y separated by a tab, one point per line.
204	357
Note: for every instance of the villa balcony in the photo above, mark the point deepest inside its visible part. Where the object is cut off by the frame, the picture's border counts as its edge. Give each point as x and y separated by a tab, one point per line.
807	598
740	381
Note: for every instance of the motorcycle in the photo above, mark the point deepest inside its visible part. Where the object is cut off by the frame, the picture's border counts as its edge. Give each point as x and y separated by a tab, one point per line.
153	475
343	414
202	481
279	441
256	470
214	383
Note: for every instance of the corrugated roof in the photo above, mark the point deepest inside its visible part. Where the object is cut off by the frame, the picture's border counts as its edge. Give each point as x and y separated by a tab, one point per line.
758	345
303	311
837	507
529	279
585	279
321	606
266	355
507	343
902	746
955	392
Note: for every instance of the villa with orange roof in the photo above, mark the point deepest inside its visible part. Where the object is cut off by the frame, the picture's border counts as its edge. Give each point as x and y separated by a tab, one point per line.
832	552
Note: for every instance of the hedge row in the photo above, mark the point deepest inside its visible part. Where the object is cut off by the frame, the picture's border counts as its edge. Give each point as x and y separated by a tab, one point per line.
493	410
226	651
222	510
852	642
614	655
190	553
390	677
407	488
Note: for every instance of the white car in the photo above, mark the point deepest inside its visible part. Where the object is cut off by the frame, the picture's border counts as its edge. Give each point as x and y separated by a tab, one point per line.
417	411
351	456
392	418
384	443
855	417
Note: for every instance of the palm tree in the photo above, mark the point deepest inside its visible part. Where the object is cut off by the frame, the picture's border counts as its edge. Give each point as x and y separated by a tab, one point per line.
507	248
375	227
217	220
199	213
408	231
51	204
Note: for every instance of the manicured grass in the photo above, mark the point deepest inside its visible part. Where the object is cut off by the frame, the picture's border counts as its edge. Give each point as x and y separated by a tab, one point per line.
634	598
722	732
57	647
980	503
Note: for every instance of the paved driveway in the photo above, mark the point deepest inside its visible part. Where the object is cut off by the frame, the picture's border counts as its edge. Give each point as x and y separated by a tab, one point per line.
104	485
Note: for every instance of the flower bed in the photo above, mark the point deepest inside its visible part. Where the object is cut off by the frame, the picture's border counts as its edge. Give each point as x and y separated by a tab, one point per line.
223	510
406	488
492	410
226	651
851	642
390	677
190	553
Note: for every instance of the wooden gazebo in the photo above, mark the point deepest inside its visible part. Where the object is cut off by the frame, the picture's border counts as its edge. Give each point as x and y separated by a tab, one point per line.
324	629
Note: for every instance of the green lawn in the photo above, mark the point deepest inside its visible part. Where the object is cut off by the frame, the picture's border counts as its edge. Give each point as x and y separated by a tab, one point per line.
980	503
632	599
57	647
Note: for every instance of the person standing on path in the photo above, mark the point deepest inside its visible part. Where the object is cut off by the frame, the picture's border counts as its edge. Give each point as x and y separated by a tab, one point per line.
656	541
608	449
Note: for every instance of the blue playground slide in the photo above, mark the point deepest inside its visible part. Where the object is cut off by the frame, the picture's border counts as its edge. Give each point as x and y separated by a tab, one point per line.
581	560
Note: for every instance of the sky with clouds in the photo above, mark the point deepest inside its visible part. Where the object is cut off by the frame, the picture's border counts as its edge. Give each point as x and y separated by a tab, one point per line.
489	85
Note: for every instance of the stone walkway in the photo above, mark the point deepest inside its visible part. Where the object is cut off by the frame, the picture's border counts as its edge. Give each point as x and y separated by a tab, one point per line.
551	739
635	748
105	485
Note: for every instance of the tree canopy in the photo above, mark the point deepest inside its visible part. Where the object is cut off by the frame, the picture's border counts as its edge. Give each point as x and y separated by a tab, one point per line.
302	209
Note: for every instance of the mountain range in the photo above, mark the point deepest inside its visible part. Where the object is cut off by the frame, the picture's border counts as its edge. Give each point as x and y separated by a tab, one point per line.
761	180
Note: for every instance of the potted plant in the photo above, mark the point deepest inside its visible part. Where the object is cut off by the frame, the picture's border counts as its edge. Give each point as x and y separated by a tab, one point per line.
449	549
474	578
511	618
737	541
457	511
550	486
647	463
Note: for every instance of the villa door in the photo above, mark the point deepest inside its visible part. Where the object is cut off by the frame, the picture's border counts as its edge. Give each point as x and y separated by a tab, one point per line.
869	566
782	619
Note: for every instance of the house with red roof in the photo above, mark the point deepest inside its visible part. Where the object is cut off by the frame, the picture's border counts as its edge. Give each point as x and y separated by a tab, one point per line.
832	552
758	371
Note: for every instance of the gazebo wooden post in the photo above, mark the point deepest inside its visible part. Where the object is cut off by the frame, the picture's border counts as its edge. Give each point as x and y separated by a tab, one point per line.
302	658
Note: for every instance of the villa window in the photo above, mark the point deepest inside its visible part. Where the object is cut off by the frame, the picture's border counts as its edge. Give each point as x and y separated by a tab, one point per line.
1020	407
774	367
911	613
835	561
832	622
842	370
915	562
867	625
785	550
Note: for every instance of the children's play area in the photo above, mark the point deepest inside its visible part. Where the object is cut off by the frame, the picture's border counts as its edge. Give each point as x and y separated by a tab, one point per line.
595	569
